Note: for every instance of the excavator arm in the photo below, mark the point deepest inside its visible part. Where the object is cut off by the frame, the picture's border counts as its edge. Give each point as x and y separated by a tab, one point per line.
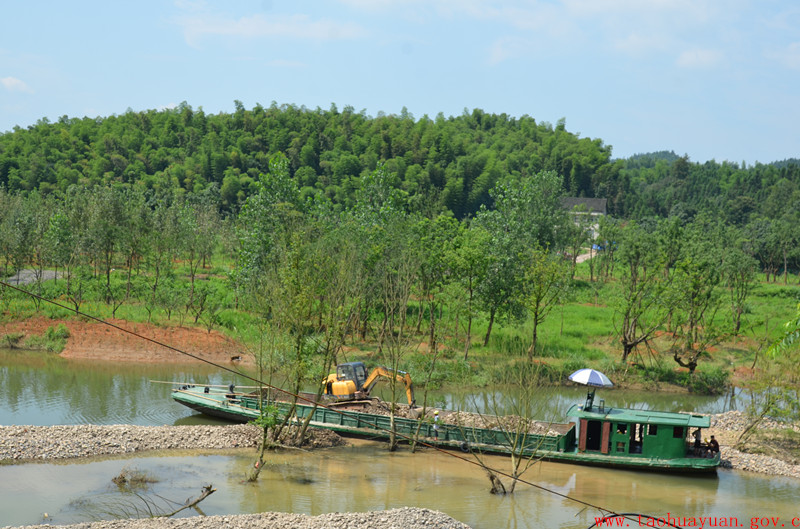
385	372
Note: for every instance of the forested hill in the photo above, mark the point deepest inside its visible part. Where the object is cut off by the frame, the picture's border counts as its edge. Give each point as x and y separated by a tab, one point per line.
440	163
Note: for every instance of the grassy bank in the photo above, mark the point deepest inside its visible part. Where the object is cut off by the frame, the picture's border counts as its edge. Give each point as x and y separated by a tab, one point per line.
579	333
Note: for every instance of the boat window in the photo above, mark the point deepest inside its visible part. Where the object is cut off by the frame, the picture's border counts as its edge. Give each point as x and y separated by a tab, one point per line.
620	446
677	432
635	446
652	429
622	427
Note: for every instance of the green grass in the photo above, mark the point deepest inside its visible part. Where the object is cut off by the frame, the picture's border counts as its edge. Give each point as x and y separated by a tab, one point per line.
581	333
53	340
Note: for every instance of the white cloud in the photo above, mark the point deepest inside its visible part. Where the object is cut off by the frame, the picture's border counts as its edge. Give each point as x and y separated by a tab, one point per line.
377	5
650	11
259	26
699	58
12	84
507	48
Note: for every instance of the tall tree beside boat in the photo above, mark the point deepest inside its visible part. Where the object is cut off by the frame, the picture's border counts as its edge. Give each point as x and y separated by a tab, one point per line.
643	305
302	267
527	213
697	291
391	268
546	282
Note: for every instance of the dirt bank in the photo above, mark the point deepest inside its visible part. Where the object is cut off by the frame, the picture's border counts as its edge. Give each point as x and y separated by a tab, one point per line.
93	340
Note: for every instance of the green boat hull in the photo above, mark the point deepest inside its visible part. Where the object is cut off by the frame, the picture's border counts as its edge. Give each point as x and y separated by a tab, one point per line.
560	448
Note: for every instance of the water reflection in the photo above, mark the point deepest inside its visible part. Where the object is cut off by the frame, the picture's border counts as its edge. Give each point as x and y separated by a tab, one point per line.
44	389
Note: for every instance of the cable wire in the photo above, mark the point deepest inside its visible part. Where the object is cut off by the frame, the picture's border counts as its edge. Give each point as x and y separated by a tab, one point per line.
610	514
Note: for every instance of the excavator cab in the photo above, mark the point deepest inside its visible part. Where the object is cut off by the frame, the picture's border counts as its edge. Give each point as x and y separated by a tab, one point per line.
348	380
355	371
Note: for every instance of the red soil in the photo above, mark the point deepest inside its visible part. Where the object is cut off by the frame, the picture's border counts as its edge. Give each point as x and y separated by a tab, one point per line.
93	340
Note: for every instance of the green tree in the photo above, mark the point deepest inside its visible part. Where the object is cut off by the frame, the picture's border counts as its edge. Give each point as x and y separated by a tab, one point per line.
697	297
470	263
106	223
546	282
785	344
577	234
739	275
527	213
434	239
643	304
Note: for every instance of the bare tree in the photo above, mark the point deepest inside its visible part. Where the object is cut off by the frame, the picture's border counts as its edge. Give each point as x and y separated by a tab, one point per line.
513	417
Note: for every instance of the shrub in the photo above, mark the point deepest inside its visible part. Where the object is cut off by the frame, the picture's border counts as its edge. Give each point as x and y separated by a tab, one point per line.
711	381
53	339
11	340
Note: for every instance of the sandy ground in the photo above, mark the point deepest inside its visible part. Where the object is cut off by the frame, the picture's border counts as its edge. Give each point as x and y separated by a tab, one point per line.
93	340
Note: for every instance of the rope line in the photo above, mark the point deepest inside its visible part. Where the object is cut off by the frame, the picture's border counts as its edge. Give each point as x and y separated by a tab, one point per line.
609	514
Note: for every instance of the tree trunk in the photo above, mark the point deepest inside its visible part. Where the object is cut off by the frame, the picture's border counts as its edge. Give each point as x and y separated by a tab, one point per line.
469	336
627	349
785	267
432	335
489	330
364	325
532	348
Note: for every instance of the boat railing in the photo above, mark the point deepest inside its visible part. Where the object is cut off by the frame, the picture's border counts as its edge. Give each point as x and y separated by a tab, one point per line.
449	433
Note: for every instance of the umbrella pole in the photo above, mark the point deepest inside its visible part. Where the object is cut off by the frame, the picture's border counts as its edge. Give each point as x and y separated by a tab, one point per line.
589	400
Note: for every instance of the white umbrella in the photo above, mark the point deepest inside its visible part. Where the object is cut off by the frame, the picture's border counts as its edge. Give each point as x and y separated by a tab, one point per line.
591	377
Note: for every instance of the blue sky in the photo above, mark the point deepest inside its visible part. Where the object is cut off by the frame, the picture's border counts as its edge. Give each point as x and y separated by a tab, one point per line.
713	79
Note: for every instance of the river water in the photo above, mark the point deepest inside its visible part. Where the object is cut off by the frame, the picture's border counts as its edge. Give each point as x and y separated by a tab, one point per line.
41	389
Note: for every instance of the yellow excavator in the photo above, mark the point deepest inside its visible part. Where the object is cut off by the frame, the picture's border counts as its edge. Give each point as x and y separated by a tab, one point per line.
352	382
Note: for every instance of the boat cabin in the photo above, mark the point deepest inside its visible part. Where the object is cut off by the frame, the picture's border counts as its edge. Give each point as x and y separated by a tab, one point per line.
636	433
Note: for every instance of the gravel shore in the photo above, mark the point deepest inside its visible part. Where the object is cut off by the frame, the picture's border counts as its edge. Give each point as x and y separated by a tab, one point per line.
25	443
36	443
405	518
19	444
727	427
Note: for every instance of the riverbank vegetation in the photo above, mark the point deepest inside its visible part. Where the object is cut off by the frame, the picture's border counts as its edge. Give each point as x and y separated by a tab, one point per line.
440	247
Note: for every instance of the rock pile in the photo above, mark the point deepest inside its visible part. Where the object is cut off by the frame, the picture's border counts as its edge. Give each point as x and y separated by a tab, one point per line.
727	427
508	423
736	420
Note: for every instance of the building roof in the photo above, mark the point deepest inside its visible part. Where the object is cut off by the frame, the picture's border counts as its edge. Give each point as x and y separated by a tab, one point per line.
665	418
593	205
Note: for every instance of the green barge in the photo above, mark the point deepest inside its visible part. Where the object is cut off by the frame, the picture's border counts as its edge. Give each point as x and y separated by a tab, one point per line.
610	437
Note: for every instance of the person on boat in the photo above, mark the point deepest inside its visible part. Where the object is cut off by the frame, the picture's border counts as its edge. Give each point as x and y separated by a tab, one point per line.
697	445
713	447
436	424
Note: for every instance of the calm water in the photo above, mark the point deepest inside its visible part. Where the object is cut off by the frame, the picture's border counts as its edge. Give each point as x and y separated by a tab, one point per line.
366	477
42	389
